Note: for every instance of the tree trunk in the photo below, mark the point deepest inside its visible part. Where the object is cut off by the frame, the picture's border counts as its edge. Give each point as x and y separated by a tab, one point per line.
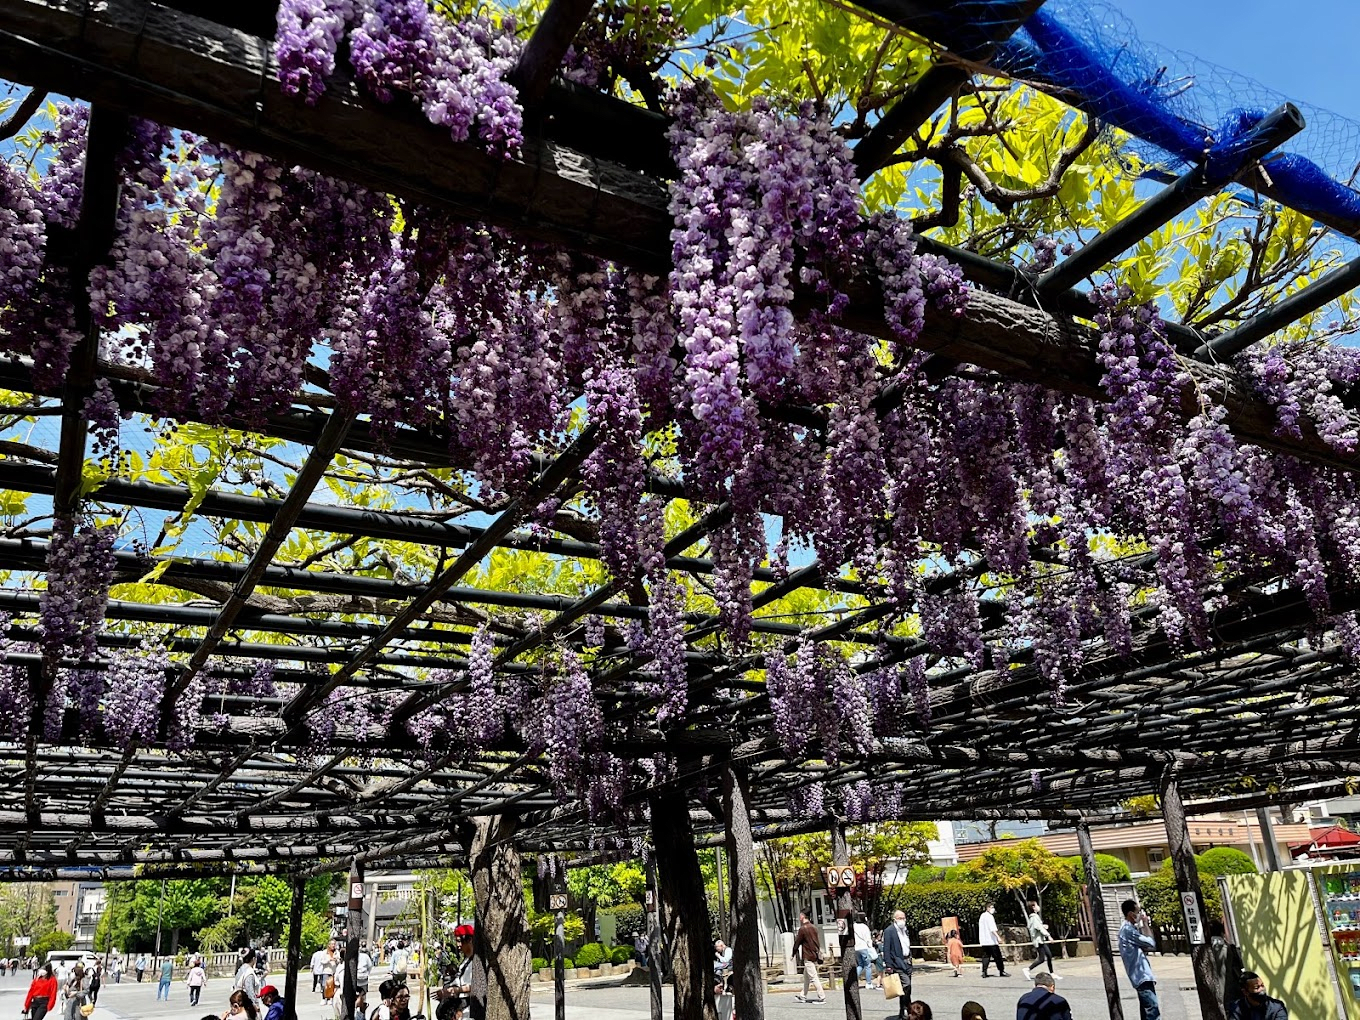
688	930
501	941
748	987
1187	882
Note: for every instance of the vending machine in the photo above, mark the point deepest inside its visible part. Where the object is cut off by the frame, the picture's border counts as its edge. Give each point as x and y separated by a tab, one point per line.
1339	890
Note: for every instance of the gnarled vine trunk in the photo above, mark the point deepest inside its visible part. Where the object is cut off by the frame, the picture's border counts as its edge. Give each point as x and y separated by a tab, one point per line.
688	930
502	931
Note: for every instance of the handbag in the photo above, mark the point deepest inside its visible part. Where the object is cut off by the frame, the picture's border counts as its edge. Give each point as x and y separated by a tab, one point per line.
87	1009
329	991
892	986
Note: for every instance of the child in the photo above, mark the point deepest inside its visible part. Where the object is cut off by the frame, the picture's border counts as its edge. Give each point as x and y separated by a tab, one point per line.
954	944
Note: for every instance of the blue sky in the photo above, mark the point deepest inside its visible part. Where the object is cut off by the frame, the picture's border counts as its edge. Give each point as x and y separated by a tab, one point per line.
1304	49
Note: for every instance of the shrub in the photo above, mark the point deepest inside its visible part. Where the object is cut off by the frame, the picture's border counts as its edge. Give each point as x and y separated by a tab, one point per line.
925	904
628	918
1162	900
568	963
1110	868
1224	860
620	954
924	873
590	955
540	963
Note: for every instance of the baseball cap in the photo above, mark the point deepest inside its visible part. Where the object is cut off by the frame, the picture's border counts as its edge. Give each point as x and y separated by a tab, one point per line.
463	931
268	990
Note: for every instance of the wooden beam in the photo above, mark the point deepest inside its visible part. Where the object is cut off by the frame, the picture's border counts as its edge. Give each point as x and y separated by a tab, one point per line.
542	54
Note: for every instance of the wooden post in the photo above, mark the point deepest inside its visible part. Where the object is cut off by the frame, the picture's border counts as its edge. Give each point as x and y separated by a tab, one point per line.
559	965
1100	929
845	925
748	992
354	925
655	955
688	930
294	948
1272	851
1192	897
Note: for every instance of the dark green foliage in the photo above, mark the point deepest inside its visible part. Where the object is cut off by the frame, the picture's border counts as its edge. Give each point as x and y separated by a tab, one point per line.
925	904
44	944
1225	860
1162	901
620	954
590	955
924	873
540	964
1111	868
628	918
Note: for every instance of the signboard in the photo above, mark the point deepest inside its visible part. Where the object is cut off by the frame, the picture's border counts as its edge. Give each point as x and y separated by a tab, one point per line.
1194	925
23	941
356	890
842	929
650	900
557	901
839	877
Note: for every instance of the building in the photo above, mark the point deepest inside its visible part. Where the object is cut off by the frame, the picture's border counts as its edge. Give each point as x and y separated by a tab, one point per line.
79	906
1142	843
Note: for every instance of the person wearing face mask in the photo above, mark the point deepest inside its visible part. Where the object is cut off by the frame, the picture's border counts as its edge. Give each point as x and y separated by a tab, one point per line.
1254	1003
990	940
897	958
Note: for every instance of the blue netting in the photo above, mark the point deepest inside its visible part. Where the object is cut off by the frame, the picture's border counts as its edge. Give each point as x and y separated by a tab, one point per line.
1181	110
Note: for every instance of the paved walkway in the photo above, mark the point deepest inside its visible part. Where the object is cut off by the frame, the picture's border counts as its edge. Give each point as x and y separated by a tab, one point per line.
596	1001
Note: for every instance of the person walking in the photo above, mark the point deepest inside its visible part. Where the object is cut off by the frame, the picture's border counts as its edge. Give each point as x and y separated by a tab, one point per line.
42	993
166	980
1254	1003
954	950
196	979
401	962
318	966
247	981
1039	937
1133	949
807	948
864	951
77	991
140	967
897	958
1041	1002
991	941
116	969
96	981
329	964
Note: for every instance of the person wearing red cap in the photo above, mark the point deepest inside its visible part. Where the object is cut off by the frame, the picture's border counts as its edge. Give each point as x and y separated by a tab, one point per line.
269	995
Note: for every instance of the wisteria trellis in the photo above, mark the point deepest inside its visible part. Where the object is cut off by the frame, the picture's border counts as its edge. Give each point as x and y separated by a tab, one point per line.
956	495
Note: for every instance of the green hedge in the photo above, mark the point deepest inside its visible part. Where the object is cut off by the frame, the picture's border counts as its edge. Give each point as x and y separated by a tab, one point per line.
1110	868
1225	860
540	964
628	918
620	954
1162	900
592	954
925	904
568	963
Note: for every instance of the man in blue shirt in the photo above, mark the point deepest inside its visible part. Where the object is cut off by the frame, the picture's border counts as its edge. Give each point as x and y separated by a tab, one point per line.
1133	947
269	995
1041	1002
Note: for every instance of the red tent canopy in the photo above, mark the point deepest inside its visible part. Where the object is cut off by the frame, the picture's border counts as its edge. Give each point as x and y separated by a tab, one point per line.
1327	842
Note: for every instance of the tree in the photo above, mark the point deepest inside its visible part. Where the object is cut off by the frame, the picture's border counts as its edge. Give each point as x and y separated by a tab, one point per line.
605	885
26	909
1025	869
790	868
